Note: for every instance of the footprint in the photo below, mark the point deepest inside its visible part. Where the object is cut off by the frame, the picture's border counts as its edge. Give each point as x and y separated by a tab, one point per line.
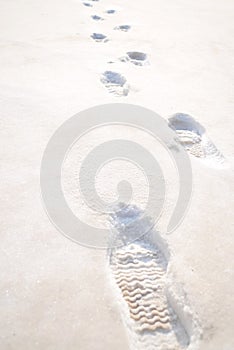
87	4
99	37
123	28
135	57
97	18
192	136
115	83
139	271
110	12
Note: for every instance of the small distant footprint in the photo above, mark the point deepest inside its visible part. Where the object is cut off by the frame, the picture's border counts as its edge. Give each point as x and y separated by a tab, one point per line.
99	37
135	57
110	12
115	83
97	18
123	28
192	136
87	4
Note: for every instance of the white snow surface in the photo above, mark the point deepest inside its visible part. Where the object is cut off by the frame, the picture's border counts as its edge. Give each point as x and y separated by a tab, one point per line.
54	293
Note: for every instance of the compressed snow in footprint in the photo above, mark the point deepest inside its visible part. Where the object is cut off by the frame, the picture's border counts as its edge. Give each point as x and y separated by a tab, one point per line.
139	270
192	136
115	83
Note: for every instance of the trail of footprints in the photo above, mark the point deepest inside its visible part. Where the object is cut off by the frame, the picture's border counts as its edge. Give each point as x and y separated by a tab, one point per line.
139	271
115	82
190	133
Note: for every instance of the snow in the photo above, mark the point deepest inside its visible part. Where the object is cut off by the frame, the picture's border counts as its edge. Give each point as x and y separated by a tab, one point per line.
55	293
